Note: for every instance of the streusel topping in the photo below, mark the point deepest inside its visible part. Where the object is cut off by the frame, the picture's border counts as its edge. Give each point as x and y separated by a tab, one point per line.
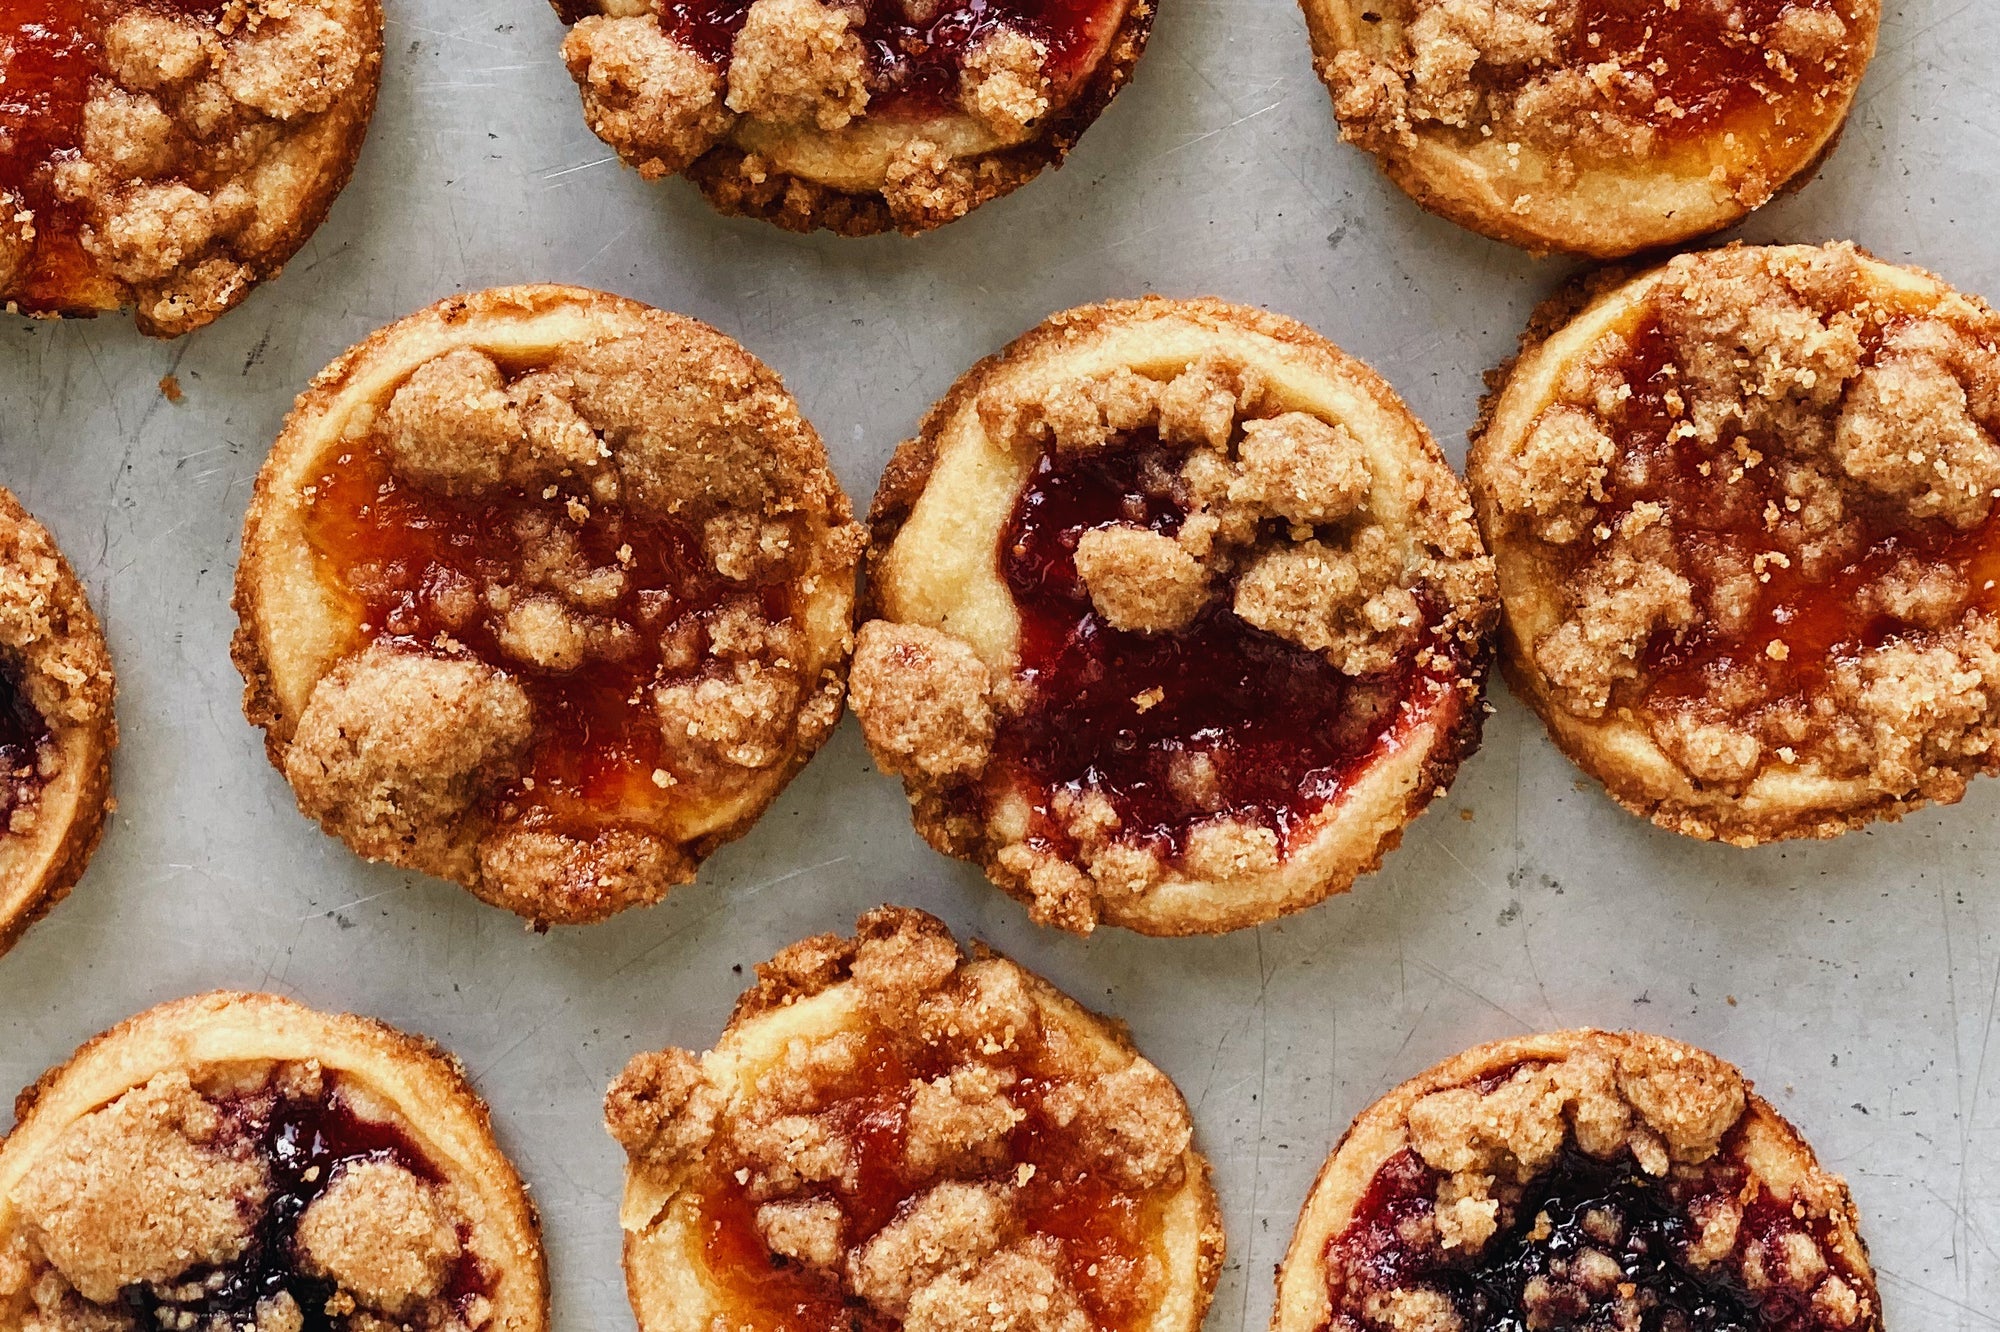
1770	503
951	1157
254	1197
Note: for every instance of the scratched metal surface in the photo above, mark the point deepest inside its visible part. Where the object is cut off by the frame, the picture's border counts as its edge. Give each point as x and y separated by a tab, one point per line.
1856	981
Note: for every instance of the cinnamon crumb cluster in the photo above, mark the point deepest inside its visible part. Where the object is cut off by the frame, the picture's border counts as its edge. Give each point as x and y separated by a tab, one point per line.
153	1203
1847	451
1008	1118
208	146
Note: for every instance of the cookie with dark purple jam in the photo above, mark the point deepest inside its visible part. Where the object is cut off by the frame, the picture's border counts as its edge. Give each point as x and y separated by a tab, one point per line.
237	1161
1580	1179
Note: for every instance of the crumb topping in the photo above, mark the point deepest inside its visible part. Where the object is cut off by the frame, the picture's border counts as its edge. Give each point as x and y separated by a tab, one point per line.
1770	508
1583	82
238	1199
1221	624
1613	1187
951	1158
577	589
172	148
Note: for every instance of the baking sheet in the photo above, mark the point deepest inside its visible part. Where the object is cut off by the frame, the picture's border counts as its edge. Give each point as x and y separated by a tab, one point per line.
1856	981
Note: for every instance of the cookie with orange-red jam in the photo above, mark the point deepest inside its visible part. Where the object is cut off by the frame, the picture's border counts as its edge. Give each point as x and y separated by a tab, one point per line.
1743	507
168	155
546	592
891	1134
1177	617
1576	1179
242	1163
1600	127
857	116
57	730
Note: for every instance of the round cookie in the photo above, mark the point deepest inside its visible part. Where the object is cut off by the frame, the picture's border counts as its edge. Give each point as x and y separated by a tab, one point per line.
1576	1179
1743	511
1176	617
57	730
856	117
1594	127
168	155
545	592
237	1161
892	1135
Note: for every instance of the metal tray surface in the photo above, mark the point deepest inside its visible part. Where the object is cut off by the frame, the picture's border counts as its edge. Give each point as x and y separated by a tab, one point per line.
1857	981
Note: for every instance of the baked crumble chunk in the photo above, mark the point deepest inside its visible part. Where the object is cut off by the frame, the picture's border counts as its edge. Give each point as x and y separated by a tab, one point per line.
547	593
168	155
236	1161
56	725
1581	1179
1596	126
893	1135
1744	512
1178	617
857	117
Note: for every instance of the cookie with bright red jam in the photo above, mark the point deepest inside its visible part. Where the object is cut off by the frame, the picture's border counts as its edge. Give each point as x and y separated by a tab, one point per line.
1177	618
239	1161
893	1135
57	730
1744	512
548	593
858	116
1579	1179
168	155
1603	127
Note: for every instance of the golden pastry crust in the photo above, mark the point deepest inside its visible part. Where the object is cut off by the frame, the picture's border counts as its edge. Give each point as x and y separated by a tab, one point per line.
1596	1150
57	730
1572	125
631	630
1299	527
1039	1175
1782	624
775	121
317	1157
184	154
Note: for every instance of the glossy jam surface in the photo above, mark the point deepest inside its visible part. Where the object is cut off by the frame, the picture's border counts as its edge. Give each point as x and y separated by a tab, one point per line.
304	1142
1707	59
1112	711
23	733
1722	510
1523	1278
408	560
1104	1231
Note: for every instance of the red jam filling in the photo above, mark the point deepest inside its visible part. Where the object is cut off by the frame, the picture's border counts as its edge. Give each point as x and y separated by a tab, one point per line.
1113	711
1719	516
304	1142
1104	1231
914	62
1708	61
407	557
23	734
1522	1277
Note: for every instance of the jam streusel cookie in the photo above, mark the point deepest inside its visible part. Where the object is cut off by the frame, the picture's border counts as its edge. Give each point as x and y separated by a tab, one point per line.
237	1161
56	726
852	115
890	1135
1581	1179
1177	617
1593	126
169	155
1743	510
546	592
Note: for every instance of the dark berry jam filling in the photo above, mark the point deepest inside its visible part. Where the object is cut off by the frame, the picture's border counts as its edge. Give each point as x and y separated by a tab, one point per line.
24	736
1591	1245
411	561
305	1143
1114	712
1105	1232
